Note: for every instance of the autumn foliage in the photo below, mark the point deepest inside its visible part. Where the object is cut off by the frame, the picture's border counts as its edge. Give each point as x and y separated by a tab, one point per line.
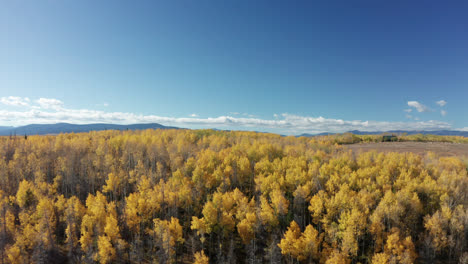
204	196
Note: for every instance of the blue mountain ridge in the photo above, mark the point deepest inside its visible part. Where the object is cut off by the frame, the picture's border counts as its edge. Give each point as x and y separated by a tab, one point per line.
44	129
408	132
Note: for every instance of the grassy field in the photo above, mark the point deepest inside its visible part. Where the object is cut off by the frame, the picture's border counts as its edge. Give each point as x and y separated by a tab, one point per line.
439	148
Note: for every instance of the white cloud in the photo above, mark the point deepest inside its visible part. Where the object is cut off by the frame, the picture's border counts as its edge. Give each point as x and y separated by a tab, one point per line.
409	110
15	101
409	116
50	103
441	102
443	112
54	111
105	104
194	115
419	107
462	129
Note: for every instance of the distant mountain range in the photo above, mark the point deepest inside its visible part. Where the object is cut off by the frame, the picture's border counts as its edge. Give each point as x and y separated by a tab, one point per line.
408	132
44	129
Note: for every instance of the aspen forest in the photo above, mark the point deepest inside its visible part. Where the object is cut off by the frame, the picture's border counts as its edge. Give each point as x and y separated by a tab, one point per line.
206	196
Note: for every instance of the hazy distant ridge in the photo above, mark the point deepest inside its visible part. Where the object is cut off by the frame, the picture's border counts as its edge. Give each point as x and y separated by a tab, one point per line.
408	132
44	129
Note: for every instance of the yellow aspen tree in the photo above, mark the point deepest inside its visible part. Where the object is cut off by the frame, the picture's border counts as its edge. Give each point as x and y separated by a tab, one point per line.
14	255
112	185
87	236
267	214
200	226
289	242
46	222
7	224
317	206
310	242
93	224
201	258
25	196
437	225
106	250
279	202
132	213
380	258
399	249
204	173
337	257
167	234
351	227
73	214
246	228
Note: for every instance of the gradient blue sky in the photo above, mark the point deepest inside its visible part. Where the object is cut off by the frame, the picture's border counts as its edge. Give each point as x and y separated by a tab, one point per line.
280	66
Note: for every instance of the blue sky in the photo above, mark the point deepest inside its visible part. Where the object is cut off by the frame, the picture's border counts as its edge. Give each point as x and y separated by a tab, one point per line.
281	66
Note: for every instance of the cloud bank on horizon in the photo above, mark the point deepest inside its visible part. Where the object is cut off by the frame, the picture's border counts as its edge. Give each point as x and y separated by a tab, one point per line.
49	110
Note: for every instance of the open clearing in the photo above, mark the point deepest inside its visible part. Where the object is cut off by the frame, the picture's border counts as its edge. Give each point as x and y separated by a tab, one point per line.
440	148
